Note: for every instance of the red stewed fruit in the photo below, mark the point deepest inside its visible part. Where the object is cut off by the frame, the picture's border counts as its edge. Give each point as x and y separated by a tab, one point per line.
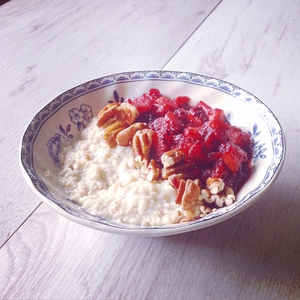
203	133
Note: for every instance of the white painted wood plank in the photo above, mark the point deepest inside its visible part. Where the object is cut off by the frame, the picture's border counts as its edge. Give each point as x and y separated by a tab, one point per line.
53	258
48	47
253	44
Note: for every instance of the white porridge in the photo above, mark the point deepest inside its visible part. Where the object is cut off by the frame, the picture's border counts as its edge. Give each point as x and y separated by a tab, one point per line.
106	182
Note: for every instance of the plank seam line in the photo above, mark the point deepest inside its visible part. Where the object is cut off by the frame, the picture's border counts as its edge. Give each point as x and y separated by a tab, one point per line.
192	34
20	225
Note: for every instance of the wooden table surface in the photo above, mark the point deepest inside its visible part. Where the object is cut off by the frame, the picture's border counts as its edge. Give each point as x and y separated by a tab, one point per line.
49	46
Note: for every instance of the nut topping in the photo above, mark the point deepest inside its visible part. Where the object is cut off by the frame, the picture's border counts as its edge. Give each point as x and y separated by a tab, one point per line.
106	113
125	112
110	136
174	180
177	169
141	143
154	171
124	137
188	194
171	158
111	131
174	163
180	191
114	118
230	197
112	127
215	185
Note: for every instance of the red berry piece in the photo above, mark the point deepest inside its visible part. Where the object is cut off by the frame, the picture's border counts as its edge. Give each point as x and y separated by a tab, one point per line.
197	115
233	157
238	137
162	105
183	102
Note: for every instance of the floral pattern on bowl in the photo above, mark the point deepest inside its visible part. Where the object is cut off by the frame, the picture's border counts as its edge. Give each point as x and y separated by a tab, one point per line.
80	117
62	119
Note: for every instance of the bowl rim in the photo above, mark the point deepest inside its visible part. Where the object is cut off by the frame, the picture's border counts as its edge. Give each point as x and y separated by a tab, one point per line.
158	230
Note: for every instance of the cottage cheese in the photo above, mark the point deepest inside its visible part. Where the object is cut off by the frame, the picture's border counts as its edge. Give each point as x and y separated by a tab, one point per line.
107	182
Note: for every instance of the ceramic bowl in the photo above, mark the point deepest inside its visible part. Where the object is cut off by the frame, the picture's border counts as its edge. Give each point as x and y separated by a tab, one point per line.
62	119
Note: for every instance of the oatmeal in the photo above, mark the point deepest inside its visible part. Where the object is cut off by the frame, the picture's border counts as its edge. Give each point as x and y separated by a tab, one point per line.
108	182
155	161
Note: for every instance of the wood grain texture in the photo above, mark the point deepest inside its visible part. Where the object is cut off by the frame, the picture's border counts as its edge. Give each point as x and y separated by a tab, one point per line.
256	45
245	257
255	255
48	47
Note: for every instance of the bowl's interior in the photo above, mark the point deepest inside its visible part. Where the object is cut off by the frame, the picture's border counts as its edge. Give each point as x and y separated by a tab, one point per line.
63	118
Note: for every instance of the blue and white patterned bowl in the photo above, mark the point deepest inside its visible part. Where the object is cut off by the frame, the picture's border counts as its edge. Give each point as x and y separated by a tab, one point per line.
62	119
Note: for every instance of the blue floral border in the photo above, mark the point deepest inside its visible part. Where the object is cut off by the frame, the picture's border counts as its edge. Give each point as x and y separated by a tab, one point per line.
26	152
80	117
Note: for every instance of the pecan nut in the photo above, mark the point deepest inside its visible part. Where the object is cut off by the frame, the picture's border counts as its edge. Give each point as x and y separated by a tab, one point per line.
124	137
153	170
174	163
106	113
174	180
172	157
111	132
127	113
124	112
217	193
141	144
114	118
215	185
188	194
183	167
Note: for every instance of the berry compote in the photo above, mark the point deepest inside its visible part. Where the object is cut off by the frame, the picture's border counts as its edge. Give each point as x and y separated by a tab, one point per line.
216	148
